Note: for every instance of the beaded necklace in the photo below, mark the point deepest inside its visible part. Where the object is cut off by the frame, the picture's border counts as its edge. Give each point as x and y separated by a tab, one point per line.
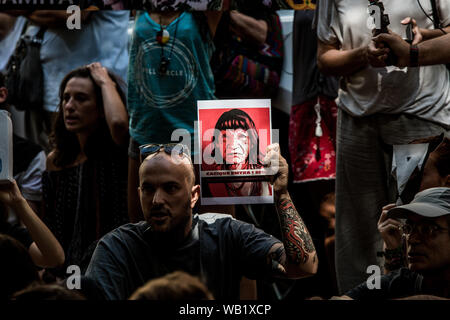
163	37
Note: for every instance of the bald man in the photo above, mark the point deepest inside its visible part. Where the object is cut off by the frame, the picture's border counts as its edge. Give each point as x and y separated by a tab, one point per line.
215	247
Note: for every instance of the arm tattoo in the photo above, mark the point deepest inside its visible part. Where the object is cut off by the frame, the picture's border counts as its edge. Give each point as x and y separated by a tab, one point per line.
297	241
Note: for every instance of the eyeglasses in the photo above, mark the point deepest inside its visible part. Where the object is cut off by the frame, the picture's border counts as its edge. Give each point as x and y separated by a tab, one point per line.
169	148
426	229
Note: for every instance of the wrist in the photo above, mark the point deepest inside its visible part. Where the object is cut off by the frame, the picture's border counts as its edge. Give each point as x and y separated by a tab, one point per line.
414	56
392	245
18	204
281	195
363	56
108	84
393	253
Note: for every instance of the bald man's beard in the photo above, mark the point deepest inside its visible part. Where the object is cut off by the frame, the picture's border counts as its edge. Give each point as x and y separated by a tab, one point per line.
174	232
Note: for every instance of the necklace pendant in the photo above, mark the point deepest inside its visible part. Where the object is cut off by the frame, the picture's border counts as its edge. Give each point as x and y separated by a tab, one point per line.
163	65
162	36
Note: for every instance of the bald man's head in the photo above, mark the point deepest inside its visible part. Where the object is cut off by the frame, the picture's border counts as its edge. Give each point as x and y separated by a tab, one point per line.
177	160
168	193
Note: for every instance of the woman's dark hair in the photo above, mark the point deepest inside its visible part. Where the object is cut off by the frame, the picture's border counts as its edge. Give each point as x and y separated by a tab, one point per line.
238	119
65	143
174	286
17	270
202	24
41	292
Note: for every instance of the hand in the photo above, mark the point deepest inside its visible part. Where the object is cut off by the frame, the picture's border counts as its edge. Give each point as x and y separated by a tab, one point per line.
418	37
99	74
277	167
390	229
10	194
377	54
398	46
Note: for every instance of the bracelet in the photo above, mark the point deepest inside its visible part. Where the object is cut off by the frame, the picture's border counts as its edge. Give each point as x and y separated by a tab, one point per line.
396	253
414	56
391	254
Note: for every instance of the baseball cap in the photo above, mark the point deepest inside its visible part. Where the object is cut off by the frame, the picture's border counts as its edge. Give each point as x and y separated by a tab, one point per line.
431	203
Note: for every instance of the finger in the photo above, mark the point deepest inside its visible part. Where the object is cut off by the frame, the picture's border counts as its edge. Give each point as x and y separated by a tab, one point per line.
417	36
375	50
416	41
270	158
383	217
394	222
406	20
271	151
381	38
273	147
391	230
388	224
389	206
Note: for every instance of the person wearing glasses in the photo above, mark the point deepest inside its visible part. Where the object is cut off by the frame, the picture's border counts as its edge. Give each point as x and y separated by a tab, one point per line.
436	173
215	247
379	106
425	223
85	184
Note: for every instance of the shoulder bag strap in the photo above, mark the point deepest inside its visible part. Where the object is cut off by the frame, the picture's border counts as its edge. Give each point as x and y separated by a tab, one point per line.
40	34
436	20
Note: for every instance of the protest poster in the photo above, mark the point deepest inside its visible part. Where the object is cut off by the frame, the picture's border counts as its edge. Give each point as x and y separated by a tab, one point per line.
233	137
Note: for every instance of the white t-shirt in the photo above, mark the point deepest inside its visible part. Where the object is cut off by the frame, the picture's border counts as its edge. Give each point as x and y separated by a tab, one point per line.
8	44
30	180
423	92
102	38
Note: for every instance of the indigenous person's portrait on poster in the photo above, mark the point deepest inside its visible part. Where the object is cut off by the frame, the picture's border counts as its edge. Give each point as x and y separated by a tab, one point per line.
233	137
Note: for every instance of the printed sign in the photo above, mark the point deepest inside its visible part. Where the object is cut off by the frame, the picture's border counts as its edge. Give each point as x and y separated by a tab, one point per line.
233	137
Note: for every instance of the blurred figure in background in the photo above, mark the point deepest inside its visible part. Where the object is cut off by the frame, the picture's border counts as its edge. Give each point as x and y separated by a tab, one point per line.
174	286
379	106
17	270
11	28
103	37
28	160
169	71
86	178
43	292
312	147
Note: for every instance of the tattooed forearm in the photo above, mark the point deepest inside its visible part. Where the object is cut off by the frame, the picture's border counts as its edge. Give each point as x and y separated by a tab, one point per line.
297	241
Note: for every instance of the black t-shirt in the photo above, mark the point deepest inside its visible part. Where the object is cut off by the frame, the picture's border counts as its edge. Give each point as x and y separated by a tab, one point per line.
24	152
309	81
17	232
219	250
396	284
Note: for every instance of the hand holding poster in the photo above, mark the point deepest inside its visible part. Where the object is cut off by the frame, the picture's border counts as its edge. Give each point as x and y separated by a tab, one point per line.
234	135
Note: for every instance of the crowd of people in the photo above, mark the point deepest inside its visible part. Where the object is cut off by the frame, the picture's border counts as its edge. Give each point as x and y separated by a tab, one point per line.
100	184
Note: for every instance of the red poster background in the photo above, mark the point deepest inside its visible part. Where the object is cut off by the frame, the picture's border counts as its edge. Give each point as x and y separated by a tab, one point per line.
209	117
